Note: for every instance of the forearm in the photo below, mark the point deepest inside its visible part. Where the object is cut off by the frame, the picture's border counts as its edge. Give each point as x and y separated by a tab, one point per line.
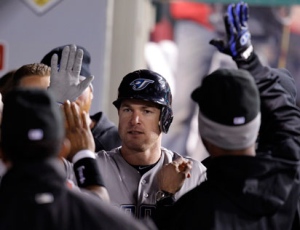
97	190
88	175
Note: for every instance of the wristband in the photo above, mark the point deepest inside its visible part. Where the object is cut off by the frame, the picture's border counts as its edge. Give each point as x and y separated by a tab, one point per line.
164	198
83	154
160	195
87	173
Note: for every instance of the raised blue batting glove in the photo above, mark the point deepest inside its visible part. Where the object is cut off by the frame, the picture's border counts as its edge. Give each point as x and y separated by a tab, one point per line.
238	43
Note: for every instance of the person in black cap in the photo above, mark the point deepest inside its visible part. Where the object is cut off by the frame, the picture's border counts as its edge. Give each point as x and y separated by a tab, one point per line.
249	185
33	194
105	133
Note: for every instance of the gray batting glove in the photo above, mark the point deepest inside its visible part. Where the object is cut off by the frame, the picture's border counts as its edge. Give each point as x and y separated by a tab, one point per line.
64	78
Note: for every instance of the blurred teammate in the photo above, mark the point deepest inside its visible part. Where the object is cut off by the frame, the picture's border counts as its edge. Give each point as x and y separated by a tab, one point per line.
248	187
33	189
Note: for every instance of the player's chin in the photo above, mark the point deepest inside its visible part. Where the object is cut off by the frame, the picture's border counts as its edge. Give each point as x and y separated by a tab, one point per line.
138	146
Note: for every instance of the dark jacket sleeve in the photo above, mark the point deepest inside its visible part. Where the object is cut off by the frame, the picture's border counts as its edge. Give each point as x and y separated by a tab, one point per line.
105	133
280	124
278	136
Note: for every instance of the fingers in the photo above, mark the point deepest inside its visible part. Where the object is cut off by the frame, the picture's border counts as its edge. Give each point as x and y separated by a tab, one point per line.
172	176
218	43
84	120
64	58
236	12
77	129
183	166
77	63
229	13
239	15
230	30
85	83
179	160
244	14
71	58
76	117
54	65
67	112
71	115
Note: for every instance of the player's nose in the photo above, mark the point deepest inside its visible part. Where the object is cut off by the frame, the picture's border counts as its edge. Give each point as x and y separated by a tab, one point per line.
135	118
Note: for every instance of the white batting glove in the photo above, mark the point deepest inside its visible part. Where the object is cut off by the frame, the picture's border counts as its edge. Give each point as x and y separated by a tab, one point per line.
64	79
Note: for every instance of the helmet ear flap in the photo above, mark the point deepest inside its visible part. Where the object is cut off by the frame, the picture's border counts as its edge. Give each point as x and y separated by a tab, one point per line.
166	118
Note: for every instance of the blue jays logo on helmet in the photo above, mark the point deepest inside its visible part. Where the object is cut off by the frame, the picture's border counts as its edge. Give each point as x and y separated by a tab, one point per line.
140	83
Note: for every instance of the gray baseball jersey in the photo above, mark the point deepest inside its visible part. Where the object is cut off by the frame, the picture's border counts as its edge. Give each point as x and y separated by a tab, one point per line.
136	193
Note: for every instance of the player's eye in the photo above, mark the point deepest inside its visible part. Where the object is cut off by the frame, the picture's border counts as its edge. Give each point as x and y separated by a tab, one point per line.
147	111
125	110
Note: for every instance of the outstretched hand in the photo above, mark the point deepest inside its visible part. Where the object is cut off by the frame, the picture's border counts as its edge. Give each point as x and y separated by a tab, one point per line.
172	176
77	129
65	76
238	38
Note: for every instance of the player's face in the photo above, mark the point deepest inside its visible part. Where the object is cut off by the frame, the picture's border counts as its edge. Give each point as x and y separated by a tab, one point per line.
35	81
139	124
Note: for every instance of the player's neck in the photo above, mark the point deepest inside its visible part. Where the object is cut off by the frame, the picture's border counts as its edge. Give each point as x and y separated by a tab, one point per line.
147	157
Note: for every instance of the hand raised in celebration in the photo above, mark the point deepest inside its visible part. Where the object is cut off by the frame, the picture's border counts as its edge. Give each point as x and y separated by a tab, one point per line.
77	129
238	41
65	76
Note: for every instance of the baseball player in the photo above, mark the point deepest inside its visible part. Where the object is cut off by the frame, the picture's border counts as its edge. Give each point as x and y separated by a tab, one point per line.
136	173
252	184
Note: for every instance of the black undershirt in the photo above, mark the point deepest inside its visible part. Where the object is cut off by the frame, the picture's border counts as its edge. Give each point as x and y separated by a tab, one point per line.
142	169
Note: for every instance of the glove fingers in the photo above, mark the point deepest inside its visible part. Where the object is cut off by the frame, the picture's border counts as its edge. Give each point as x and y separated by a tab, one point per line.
218	43
54	65
230	30
71	58
85	83
236	12
244	14
78	62
64	58
229	13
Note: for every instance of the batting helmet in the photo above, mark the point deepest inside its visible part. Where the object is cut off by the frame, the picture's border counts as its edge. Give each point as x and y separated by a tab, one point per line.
148	86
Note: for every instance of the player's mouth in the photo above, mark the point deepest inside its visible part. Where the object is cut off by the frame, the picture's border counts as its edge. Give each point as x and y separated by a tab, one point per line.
133	132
